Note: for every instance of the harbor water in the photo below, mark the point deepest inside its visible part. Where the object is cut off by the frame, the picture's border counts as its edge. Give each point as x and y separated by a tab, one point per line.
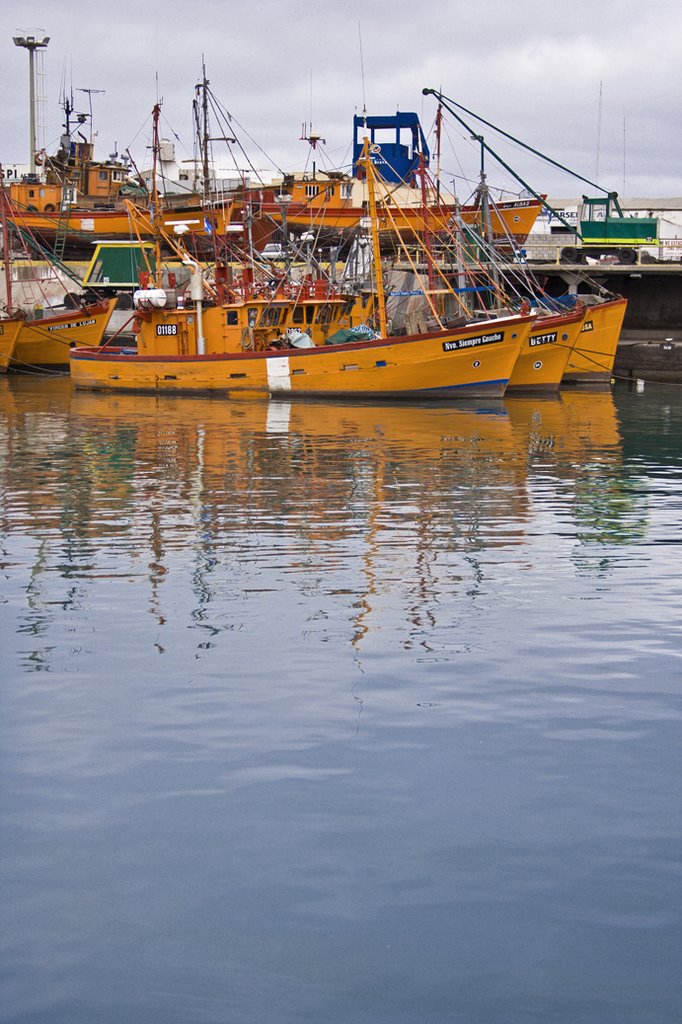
341	713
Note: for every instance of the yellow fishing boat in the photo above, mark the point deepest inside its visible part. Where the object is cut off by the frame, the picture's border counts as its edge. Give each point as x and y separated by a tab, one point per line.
47	341
80	226
10	325
338	203
9	332
179	350
44	340
543	359
592	357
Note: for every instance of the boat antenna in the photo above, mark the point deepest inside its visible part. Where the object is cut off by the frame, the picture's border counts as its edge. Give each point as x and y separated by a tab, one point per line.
155	198
439	125
362	72
624	152
599	111
204	130
90	94
66	100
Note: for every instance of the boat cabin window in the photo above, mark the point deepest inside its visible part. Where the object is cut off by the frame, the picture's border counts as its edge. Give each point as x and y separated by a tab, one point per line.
324	314
232	318
271	316
303	314
102	175
311	191
347	190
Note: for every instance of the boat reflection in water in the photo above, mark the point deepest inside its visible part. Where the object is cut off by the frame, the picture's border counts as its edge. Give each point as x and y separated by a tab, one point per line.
390	504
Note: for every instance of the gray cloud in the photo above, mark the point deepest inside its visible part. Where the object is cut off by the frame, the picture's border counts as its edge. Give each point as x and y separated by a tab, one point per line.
535	68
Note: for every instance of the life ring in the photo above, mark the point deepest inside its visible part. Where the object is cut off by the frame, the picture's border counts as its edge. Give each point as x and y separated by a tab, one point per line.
33	209
49	208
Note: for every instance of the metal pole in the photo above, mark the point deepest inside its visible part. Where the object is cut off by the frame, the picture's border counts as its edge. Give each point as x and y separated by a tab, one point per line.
285	231
6	246
31	41
31	112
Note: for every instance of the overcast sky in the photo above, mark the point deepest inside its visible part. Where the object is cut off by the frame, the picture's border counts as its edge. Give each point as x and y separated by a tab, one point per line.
595	84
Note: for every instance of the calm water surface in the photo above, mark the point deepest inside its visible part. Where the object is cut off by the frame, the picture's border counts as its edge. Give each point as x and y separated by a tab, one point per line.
336	713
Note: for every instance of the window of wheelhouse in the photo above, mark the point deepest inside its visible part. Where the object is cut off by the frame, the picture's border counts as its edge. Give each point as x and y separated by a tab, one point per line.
324	314
271	316
232	318
311	191
303	314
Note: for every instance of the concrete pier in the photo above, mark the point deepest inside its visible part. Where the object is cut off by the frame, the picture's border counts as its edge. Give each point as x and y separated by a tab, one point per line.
650	355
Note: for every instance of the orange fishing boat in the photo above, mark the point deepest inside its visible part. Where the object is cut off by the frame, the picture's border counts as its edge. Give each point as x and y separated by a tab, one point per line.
475	361
592	357
30	339
46	341
9	332
10	325
337	203
543	359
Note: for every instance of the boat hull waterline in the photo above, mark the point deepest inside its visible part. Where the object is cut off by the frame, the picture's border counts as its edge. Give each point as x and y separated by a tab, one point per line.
475	361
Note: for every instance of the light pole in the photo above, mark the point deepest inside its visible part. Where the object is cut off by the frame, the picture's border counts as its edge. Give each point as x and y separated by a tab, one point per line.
33	40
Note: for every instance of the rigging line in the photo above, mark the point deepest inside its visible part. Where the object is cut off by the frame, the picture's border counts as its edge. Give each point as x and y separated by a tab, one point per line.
171	129
223	119
48	256
464	137
385	204
230	117
36	285
446	100
511	170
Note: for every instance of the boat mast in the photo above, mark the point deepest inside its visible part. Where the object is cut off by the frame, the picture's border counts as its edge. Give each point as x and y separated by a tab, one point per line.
426	215
6	251
439	125
486	225
376	254
155	211
205	171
